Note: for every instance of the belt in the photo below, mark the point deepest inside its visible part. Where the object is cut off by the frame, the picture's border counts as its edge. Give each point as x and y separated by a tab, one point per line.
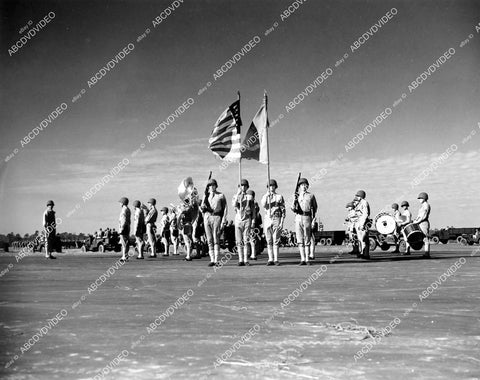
218	213
306	213
276	214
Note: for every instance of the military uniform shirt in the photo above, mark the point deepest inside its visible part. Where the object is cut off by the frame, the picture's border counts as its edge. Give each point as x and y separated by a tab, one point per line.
276	203
307	203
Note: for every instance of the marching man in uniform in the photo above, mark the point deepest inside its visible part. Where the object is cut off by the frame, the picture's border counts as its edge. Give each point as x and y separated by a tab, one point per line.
139	227
423	222
124	228
407	219
361	225
398	222
214	208
255	235
49	223
350	221
274	206
165	230
174	230
305	212
150	220
244	207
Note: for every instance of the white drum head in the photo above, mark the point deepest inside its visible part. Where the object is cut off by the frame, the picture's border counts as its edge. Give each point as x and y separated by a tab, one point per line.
385	224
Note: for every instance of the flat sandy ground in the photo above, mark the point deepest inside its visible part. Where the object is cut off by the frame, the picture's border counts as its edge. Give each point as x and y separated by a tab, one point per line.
329	320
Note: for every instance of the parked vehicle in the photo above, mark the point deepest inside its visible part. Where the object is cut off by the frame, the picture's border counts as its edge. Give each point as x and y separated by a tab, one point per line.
330	237
457	234
102	244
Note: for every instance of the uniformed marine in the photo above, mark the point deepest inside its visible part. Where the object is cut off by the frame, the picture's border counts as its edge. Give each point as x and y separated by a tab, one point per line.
244	207
406	219
124	227
174	233
150	220
49	223
304	213
165	230
274	206
423	222
362	209
139	227
214	208
350	221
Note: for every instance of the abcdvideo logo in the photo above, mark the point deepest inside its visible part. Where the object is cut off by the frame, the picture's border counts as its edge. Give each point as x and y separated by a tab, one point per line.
31	33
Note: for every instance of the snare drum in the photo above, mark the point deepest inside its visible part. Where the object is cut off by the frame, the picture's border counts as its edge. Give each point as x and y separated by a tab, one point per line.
413	233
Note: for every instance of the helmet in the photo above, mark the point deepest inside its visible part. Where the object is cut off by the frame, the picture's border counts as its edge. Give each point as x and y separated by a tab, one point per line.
349	204
244	182
251	192
303	180
164	209
50	203
212	182
395	206
361	194
123	201
273	183
405	203
136	203
153	201
423	195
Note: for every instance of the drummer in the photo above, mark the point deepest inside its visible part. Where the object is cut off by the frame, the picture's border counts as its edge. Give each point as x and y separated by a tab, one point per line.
398	221
423	222
407	219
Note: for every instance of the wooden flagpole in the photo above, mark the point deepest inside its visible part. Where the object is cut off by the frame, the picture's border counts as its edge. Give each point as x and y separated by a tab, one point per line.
240	160
265	99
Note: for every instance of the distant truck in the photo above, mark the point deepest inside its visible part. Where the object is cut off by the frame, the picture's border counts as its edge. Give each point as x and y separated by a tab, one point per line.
460	235
330	237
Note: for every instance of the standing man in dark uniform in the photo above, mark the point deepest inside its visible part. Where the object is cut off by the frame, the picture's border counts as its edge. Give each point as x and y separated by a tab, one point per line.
174	230
362	209
214	208
165	230
124	228
49	223
255	239
139	227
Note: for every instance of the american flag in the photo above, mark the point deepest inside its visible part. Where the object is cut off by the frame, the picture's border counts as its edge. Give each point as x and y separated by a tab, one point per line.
225	138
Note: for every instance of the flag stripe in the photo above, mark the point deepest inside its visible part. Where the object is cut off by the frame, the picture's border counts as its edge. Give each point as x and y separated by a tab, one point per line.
225	138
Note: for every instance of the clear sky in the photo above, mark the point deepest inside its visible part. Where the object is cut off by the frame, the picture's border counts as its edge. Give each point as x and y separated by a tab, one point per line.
181	54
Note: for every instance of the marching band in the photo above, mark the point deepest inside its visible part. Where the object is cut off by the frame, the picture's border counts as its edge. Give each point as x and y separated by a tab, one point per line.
201	223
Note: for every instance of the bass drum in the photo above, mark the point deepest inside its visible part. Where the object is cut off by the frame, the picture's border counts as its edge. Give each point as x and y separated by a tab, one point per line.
385	223
413	233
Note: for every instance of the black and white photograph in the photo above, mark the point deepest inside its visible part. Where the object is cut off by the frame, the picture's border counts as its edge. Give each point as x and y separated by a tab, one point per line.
255	189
